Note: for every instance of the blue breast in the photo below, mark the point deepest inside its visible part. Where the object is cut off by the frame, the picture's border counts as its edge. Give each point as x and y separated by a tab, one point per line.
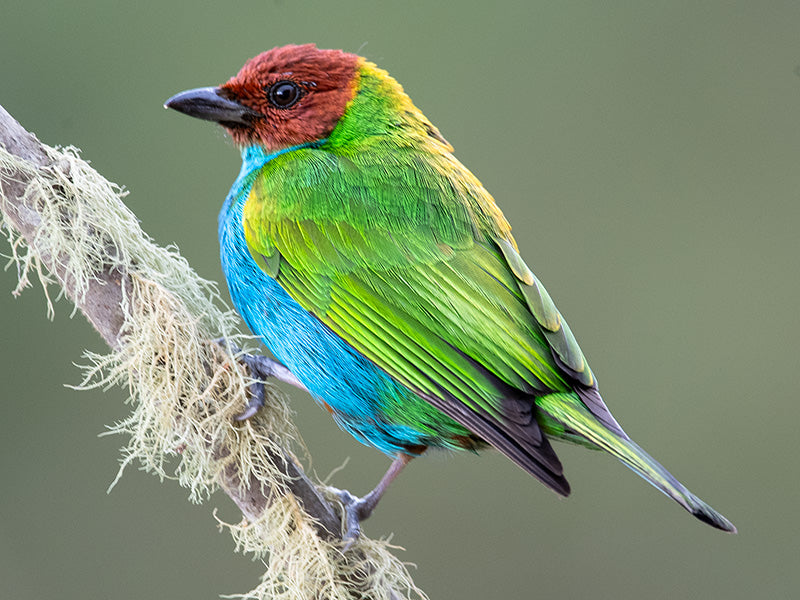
353	387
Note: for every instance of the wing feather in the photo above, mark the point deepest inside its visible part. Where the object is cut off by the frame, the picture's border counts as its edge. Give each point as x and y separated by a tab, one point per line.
410	262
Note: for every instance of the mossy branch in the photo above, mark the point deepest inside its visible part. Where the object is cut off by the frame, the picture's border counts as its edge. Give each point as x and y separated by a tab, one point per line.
67	225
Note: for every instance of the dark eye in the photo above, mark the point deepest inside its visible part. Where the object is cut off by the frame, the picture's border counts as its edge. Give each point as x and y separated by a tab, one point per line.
284	94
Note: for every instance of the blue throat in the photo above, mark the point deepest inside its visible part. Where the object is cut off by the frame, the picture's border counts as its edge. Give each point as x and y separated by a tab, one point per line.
352	387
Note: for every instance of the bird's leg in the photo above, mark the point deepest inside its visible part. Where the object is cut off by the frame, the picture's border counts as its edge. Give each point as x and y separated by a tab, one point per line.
262	368
359	509
355	509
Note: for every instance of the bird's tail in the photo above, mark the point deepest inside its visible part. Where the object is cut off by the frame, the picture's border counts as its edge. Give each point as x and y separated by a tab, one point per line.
568	410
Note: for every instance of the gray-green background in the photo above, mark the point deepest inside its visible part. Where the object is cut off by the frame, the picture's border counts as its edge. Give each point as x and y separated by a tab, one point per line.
647	156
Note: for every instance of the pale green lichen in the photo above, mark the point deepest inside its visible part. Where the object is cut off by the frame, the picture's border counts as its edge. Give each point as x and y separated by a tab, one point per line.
185	390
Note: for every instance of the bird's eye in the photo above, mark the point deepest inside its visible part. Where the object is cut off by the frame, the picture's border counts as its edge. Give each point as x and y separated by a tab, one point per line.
284	94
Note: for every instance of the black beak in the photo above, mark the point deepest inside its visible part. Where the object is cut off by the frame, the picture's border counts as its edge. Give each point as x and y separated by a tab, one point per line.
209	104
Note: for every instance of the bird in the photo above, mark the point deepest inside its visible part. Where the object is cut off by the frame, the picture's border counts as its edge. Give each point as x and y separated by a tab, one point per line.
377	268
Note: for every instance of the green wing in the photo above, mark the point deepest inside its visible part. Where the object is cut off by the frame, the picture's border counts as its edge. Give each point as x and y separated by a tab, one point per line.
407	259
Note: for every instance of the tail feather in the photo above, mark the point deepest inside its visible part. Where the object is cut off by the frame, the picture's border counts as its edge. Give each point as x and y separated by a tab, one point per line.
568	410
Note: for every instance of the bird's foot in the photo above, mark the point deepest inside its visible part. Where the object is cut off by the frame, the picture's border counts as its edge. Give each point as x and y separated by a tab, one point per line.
355	510
359	509
262	368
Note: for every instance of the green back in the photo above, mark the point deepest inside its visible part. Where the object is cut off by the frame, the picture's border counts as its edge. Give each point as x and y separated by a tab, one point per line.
392	243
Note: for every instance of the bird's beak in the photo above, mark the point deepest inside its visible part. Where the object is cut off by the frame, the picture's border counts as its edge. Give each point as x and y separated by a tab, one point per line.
210	104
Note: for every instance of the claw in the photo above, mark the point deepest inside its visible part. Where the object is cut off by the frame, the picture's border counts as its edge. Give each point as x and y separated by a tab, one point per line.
255	403
352	516
359	509
261	368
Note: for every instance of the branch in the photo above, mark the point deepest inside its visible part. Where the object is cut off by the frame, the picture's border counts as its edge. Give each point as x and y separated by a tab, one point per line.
68	225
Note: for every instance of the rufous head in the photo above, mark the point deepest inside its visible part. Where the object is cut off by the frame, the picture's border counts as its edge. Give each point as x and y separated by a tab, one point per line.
281	98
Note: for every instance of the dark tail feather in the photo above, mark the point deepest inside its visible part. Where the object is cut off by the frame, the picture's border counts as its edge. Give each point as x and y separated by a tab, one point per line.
570	411
655	474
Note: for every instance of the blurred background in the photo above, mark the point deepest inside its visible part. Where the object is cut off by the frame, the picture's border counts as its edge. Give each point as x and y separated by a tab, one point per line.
646	155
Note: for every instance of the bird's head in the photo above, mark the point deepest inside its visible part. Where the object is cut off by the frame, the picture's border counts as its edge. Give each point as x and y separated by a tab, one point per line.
281	98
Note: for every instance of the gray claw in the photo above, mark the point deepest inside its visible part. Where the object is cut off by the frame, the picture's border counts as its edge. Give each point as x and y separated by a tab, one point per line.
353	515
355	510
255	403
258	366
